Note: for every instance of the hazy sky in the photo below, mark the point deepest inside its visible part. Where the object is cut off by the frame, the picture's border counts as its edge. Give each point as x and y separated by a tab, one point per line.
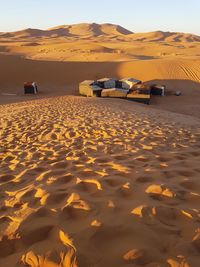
136	15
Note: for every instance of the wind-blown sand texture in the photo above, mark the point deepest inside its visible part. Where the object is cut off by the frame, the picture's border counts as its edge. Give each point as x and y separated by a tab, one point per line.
83	181
98	182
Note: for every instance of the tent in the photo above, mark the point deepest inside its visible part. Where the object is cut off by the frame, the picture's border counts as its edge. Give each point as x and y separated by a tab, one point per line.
129	83
106	83
30	88
89	88
142	89
158	89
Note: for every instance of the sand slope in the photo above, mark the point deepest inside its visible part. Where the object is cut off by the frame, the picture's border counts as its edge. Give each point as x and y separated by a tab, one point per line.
85	184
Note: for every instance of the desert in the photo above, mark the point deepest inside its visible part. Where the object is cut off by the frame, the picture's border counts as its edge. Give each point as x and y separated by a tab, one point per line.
99	182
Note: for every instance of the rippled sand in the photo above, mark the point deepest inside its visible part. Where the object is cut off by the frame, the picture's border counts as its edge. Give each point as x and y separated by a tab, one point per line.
94	182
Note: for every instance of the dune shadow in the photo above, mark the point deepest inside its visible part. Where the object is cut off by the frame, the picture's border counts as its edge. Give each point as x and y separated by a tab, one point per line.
62	78
53	77
177	84
187	103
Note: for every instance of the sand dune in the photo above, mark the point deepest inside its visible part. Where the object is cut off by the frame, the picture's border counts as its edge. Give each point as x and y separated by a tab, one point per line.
160	36
84	184
95	30
84	29
98	42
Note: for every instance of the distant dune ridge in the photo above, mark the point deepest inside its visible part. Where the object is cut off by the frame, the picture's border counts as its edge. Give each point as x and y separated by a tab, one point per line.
83	29
94	30
94	42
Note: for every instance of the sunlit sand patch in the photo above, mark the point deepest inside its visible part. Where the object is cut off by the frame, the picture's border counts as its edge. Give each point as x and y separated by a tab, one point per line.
41	176
66	257
102	173
42	195
72	158
138	210
187	214
118	167
164	165
138	256
91	160
126	185
146	147
142	158
51	180
15	197
111	204
76	202
160	190
95	223
66	240
90	181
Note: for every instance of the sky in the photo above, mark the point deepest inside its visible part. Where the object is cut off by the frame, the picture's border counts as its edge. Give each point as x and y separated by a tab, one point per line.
135	15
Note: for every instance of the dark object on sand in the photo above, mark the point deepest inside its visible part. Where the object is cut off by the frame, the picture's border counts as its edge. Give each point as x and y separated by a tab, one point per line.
158	89
178	93
30	88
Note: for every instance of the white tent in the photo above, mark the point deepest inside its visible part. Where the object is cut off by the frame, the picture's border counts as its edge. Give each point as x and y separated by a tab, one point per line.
128	83
88	88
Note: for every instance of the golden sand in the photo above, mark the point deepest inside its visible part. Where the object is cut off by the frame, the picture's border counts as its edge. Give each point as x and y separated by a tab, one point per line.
85	183
99	182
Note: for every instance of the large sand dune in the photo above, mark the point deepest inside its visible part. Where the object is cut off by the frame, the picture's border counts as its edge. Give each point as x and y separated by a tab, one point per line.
98	182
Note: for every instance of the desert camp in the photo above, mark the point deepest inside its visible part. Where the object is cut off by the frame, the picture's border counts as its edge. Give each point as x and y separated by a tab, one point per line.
127	88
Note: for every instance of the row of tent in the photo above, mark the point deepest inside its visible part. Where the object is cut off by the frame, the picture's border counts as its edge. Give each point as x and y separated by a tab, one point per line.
128	88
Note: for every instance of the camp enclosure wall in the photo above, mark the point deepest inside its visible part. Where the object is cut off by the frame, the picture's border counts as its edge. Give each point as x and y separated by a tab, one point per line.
114	92
141	98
